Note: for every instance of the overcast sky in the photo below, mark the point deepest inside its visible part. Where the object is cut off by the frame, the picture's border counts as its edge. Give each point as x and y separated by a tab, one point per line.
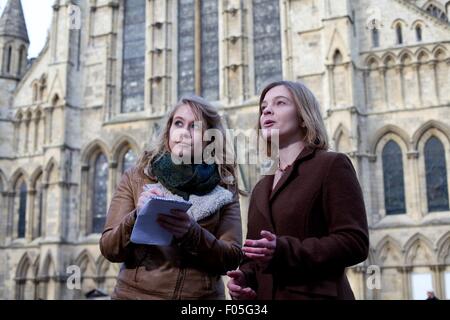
38	15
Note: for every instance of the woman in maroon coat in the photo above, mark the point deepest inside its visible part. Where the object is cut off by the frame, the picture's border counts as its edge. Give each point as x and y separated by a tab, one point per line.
307	222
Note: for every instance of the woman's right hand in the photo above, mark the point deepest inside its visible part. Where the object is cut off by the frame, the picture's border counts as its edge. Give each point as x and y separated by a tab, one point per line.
238	288
147	195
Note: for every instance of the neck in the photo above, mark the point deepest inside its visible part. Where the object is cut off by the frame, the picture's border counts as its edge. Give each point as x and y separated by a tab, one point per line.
290	151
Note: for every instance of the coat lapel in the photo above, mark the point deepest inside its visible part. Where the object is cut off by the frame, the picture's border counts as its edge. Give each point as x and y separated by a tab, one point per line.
306	152
263	197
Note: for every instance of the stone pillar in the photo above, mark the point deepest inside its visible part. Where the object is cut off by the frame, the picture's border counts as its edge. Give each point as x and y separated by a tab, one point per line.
234	53
159	56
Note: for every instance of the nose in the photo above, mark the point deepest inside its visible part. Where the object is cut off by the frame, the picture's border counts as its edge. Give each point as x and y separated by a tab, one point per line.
267	110
183	133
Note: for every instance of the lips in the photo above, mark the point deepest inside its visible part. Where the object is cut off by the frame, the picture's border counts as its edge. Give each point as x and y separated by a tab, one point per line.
268	123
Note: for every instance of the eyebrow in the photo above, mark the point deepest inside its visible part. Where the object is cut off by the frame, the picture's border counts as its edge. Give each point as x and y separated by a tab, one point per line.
277	97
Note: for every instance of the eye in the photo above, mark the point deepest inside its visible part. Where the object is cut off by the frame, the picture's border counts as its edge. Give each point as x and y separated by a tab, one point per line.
281	102
195	125
263	107
178	123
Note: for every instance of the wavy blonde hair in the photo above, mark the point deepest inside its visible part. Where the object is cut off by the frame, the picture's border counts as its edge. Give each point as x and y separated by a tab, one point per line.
308	111
205	112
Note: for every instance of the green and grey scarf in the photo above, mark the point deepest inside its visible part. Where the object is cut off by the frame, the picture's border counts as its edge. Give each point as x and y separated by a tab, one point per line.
185	179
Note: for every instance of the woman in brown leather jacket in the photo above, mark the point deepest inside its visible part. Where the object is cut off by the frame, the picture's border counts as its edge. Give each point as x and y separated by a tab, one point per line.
207	238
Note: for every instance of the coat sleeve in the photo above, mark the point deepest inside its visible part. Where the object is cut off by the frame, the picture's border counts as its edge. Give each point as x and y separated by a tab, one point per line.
219	252
248	266
347	241
115	240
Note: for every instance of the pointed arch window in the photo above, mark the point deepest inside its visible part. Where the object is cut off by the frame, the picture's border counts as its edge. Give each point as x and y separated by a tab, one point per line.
99	198
21	60
8	59
399	33
38	208
375	38
394	188
337	57
129	160
436	175
418	33
22	210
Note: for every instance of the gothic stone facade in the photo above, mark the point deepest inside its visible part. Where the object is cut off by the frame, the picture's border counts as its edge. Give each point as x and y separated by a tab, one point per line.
89	104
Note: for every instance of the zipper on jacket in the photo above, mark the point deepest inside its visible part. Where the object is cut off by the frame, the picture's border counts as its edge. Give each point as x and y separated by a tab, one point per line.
180	279
138	265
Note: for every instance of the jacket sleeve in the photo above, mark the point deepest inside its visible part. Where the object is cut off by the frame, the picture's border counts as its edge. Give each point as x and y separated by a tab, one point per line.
347	241
248	266
115	240
219	252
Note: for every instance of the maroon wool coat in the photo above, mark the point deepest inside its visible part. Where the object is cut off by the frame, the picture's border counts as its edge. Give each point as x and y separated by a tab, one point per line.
318	214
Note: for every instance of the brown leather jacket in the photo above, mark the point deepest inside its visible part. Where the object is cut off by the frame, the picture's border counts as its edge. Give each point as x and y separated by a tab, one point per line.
188	269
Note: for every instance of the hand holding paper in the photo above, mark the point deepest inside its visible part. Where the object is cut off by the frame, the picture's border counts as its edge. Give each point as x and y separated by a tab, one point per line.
159	220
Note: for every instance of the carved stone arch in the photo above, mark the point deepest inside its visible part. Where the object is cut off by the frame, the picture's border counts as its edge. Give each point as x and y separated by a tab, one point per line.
28	114
423	55
55	100
342	133
337	43
122	143
35	175
25	262
48	265
440	52
397	22
35	90
86	262
337	57
419	251
91	149
51	171
388	252
406	57
431	124
25	278
373	61
389	129
16	176
389	59
418	22
48	274
55	90
19	115
443	249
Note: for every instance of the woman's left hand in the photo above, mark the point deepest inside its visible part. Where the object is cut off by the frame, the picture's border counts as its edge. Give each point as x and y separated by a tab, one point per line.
177	223
261	250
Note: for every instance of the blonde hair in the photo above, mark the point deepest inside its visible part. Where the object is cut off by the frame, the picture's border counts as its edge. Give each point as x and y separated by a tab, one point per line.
308	111
205	112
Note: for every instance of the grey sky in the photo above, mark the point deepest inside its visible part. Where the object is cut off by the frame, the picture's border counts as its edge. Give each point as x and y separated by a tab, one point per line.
38	16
